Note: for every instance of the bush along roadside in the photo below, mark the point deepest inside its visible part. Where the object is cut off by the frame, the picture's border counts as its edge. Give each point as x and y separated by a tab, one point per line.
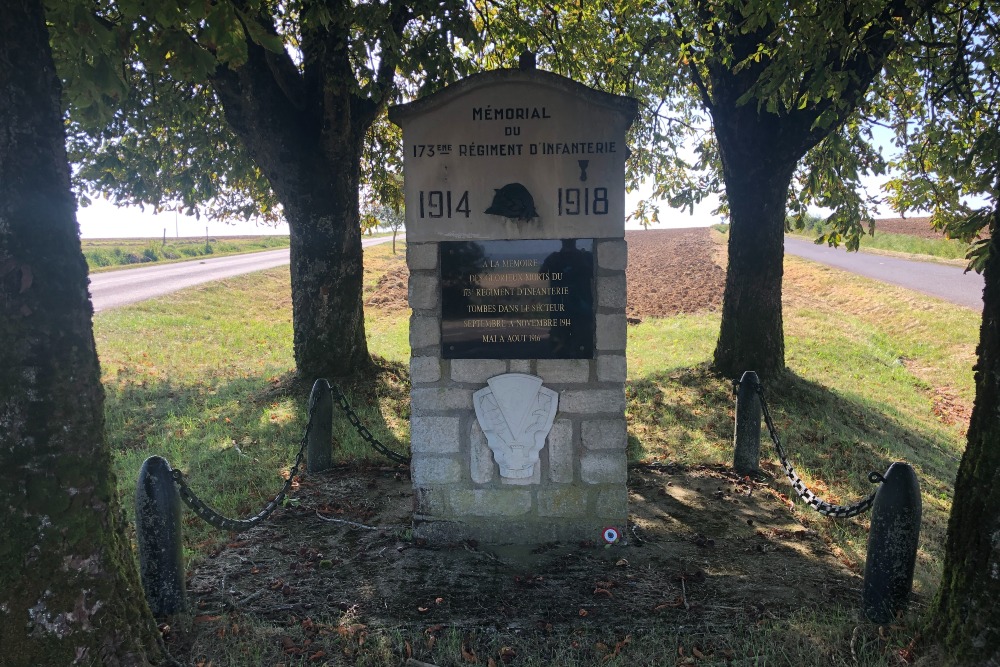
104	254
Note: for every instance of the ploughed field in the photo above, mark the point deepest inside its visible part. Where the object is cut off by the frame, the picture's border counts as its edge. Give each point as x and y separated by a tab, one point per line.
670	271
920	227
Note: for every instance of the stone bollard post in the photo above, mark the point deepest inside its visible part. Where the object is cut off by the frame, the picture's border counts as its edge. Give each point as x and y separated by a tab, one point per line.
319	451
158	532
746	455
892	544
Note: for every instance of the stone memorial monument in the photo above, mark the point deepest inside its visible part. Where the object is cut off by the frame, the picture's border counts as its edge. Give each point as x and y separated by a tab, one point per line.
515	219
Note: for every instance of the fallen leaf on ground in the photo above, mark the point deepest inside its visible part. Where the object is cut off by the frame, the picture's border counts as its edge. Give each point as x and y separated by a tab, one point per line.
350	630
468	654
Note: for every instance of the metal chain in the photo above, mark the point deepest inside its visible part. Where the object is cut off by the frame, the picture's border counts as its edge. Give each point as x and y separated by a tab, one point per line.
362	430
810	498
201	508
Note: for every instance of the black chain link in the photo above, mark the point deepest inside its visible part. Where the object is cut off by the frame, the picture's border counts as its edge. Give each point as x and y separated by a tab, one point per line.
810	498
212	517
362	430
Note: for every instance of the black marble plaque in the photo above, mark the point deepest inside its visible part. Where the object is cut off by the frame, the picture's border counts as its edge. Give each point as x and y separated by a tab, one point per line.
517	299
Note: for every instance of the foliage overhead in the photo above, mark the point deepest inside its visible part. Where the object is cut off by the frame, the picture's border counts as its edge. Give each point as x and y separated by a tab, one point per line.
146	125
805	63
946	116
147	66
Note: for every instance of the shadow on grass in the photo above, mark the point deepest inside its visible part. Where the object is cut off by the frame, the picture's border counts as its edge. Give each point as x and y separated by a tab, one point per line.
235	440
687	415
833	441
722	566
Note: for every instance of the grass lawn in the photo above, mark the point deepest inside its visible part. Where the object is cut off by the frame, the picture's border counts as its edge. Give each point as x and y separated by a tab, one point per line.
876	374
949	251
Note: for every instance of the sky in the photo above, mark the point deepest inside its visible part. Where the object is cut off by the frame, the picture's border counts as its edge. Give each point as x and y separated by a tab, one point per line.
103	220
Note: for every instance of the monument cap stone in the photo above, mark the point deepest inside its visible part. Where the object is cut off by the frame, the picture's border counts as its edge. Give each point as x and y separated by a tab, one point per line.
515	154
515	217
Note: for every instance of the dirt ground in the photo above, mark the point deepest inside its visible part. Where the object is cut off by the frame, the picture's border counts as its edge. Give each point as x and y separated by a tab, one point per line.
670	271
910	226
704	548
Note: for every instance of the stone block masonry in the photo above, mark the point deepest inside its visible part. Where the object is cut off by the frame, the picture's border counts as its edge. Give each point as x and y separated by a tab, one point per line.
514	190
578	486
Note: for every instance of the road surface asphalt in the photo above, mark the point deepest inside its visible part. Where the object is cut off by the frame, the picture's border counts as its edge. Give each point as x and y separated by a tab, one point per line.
117	288
944	281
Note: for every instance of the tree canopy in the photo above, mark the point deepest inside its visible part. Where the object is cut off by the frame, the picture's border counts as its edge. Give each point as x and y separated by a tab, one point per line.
238	107
945	114
147	124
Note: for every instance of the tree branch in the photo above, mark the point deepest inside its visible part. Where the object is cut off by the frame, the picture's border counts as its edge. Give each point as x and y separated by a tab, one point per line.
686	38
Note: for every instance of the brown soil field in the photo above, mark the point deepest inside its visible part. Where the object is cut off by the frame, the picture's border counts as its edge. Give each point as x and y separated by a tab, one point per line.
910	226
670	271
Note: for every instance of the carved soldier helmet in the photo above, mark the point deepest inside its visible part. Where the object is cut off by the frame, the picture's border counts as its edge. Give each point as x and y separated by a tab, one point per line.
513	201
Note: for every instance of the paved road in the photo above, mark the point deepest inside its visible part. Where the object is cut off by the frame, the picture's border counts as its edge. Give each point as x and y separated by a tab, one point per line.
118	288
941	280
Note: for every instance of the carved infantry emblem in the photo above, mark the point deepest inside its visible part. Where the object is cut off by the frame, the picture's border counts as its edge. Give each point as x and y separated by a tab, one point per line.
513	201
516	413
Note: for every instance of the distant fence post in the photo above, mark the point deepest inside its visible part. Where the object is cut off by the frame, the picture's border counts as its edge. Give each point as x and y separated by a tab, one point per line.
319	452
158	532
892	544
746	455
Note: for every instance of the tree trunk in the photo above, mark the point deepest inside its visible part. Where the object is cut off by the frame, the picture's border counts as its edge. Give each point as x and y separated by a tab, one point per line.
310	152
965	613
757	181
327	273
69	592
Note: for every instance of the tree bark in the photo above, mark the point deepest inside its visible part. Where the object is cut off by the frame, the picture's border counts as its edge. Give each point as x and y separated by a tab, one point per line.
306	135
327	271
69	592
757	170
965	613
